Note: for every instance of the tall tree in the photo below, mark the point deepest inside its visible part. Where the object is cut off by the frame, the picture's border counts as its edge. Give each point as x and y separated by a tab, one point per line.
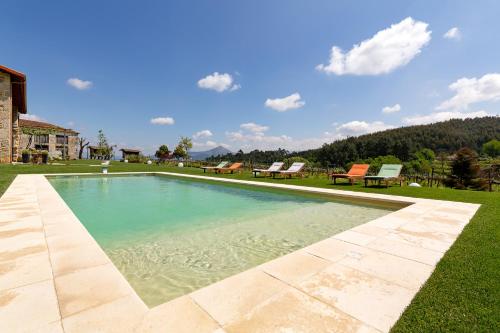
186	144
179	152
105	149
83	143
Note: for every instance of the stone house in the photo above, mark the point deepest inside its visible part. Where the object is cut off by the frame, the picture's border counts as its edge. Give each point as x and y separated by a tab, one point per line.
58	141
12	103
17	134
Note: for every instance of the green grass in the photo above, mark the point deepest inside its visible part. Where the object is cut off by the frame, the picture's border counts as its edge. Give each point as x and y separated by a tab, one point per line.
463	293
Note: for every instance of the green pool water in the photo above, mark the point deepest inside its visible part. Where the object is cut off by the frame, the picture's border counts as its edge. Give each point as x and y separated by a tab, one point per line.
170	236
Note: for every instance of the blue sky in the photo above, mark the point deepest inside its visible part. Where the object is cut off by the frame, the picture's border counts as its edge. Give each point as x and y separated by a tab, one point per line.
258	74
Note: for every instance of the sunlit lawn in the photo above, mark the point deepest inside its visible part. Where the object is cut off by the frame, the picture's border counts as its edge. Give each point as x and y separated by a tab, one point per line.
463	293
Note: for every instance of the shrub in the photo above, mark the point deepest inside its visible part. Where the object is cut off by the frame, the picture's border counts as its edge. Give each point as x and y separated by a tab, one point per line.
289	161
376	163
492	148
465	171
135	158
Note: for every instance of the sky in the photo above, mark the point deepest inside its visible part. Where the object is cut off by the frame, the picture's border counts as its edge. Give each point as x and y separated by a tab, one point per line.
255	74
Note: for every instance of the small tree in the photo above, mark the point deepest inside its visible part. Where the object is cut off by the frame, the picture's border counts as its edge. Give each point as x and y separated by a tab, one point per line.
186	144
104	148
162	153
465	170
83	143
179	152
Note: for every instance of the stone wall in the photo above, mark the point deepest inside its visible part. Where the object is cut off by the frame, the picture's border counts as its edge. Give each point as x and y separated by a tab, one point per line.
73	147
53	150
16	137
5	118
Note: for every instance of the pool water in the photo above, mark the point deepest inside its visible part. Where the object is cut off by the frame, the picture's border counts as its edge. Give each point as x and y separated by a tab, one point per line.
170	236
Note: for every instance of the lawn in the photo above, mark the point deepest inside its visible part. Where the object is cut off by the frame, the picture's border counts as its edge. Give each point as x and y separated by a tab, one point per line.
463	293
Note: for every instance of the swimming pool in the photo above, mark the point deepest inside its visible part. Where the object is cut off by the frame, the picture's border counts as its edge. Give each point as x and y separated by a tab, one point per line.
170	236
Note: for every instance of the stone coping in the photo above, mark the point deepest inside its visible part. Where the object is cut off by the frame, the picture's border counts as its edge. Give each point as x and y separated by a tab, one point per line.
54	277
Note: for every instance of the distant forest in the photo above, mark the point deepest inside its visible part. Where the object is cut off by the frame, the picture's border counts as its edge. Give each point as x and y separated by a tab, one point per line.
443	137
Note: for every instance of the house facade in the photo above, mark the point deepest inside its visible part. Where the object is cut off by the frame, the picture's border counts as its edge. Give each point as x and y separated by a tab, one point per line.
17	134
12	104
58	141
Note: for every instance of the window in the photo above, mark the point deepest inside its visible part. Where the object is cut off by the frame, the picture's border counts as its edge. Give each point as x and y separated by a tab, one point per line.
41	139
61	140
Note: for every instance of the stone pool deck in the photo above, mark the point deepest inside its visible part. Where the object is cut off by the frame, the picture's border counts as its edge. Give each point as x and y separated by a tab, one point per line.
54	277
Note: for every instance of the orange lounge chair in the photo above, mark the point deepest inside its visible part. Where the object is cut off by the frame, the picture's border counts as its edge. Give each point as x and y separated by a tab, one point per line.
357	171
234	167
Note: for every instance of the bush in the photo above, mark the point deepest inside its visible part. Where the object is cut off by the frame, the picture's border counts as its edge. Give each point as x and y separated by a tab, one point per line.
289	161
465	171
492	148
135	159
376	163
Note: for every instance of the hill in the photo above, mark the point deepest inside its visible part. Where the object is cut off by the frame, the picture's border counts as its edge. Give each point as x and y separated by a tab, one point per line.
447	136
201	155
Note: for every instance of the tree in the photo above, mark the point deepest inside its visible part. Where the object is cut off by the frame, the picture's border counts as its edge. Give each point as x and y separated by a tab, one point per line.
186	144
421	162
162	153
83	143
492	148
465	170
104	149
179	152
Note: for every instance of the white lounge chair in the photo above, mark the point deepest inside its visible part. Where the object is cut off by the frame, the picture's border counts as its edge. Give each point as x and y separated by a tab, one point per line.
276	166
105	166
294	169
215	168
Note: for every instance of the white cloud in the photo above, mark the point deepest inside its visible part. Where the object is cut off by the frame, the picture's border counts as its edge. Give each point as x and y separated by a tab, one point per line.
218	82
442	116
392	109
162	121
259	140
473	90
453	33
79	84
286	103
33	117
202	134
253	127
205	145
354	128
387	50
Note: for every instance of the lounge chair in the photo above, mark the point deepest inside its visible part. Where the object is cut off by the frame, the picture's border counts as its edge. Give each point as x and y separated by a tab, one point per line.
220	165
234	167
276	166
105	166
387	173
357	171
294	169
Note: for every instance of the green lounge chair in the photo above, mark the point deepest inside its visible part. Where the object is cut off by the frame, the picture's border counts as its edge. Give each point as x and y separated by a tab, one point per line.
387	173
215	168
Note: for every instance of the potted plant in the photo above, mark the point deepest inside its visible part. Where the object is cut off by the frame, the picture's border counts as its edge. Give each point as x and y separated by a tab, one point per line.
45	156
26	155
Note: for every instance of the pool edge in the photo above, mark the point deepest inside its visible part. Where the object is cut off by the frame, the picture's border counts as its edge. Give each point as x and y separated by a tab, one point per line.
66	239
